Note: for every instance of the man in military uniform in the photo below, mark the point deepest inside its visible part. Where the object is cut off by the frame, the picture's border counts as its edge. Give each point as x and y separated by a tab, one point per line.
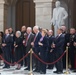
75	53
71	47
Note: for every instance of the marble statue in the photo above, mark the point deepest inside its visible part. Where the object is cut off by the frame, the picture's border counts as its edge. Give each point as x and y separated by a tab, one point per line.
59	16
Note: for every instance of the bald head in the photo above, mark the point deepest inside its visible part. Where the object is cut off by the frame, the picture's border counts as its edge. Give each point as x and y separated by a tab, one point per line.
23	29
63	28
50	32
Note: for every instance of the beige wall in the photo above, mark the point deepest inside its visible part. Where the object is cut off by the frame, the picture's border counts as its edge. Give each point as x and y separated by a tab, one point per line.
1	15
43	13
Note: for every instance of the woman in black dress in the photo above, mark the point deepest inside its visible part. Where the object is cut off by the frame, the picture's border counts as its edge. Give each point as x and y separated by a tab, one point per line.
18	48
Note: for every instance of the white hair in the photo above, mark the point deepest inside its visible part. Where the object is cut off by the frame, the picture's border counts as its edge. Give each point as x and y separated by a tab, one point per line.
18	32
36	27
29	28
51	31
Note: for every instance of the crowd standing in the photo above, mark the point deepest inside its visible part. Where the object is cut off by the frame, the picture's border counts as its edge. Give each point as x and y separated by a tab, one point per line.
15	45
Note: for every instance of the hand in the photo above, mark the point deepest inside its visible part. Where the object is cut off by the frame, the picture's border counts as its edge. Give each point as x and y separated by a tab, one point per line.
40	44
3	45
16	45
32	43
74	43
39	53
51	51
23	41
68	44
53	45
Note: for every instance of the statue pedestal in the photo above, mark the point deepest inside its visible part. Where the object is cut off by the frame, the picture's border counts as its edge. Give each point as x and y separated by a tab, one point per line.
43	13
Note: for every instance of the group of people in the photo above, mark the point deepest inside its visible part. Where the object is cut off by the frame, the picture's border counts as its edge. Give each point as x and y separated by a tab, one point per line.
44	44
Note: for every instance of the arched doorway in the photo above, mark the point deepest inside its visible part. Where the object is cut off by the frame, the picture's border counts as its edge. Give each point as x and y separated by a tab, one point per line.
25	13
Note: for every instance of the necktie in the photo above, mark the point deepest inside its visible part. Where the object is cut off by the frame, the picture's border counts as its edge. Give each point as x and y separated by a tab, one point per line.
6	36
57	36
34	38
26	41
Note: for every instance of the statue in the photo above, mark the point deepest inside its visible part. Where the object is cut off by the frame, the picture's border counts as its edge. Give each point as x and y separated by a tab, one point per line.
59	16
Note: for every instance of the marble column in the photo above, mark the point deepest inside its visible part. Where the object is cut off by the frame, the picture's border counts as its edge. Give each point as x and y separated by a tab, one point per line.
43	13
1	15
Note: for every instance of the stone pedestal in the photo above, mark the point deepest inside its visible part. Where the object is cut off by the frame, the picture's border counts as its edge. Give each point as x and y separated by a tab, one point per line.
43	13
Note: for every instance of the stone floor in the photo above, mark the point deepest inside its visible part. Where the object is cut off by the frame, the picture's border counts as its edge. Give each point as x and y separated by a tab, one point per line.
12	71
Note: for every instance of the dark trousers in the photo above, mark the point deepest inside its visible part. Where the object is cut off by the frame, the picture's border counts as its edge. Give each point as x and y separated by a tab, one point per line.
6	54
43	66
51	59
23	54
28	62
59	64
37	63
64	61
72	57
12	57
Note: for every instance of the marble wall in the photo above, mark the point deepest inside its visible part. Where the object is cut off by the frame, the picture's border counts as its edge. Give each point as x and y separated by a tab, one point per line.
43	13
1	15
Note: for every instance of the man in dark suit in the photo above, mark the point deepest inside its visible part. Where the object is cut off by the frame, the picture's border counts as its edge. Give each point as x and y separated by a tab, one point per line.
75	52
36	45
23	35
27	44
66	40
72	48
6	47
59	46
12	46
51	39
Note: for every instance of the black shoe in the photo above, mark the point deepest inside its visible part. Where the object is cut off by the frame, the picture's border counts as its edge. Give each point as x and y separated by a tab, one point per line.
42	72
74	71
55	71
26	69
60	72
8	67
18	68
35	70
4	67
